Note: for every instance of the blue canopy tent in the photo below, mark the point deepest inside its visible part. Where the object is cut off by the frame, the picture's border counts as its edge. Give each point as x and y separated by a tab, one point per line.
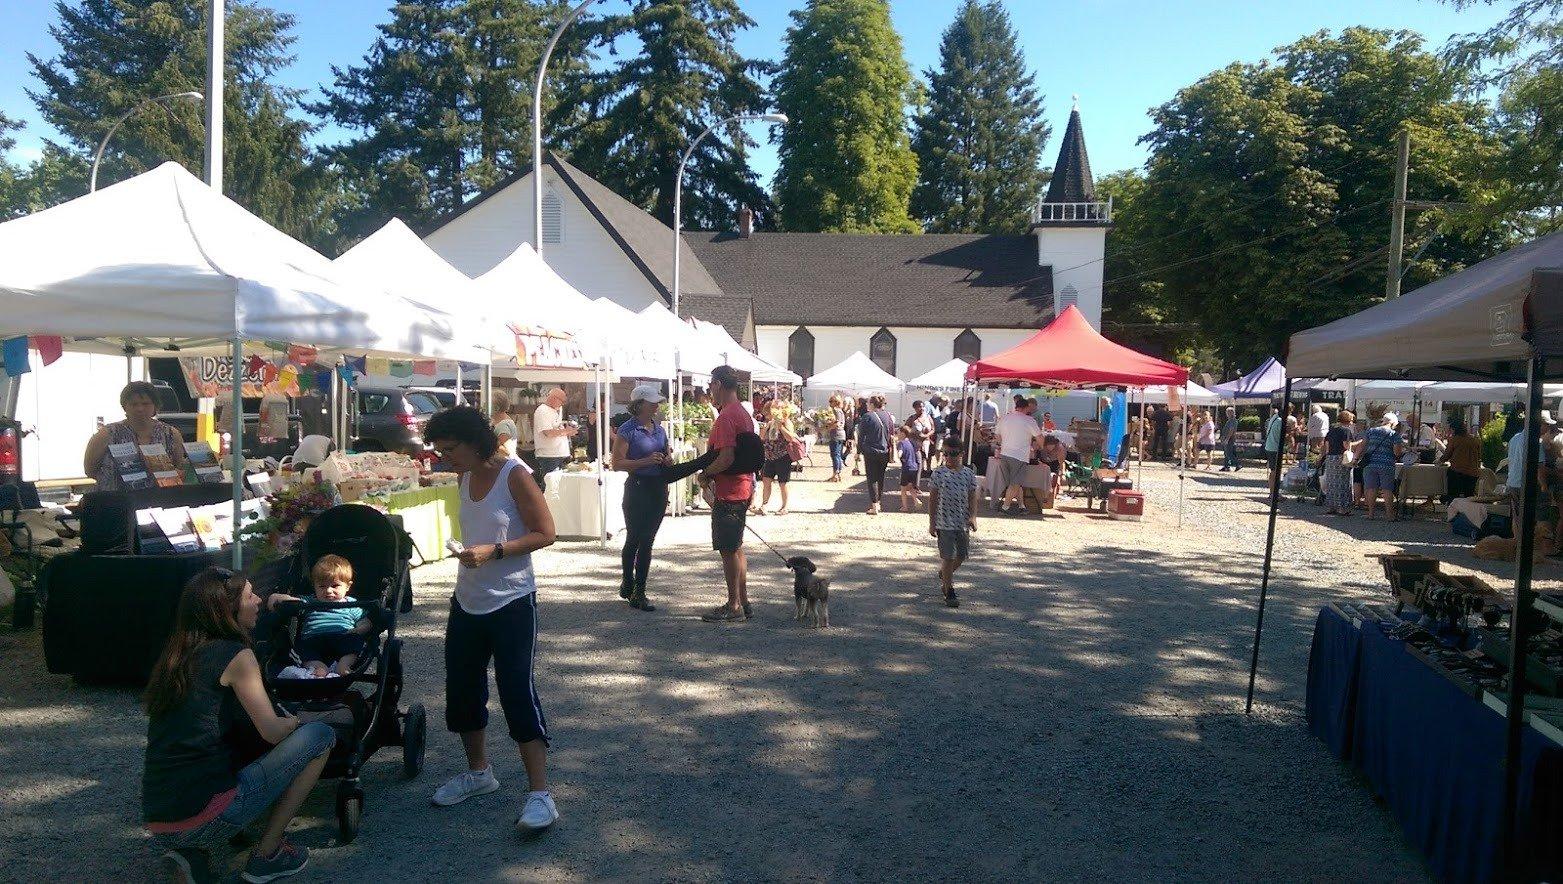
1258	385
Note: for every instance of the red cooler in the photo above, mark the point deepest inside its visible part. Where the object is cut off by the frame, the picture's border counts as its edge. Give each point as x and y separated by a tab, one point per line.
1126	505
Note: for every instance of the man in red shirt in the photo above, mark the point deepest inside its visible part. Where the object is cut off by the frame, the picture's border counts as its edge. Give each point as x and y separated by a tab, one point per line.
732	493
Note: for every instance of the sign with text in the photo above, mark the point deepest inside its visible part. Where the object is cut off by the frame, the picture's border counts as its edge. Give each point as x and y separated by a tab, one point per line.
211	376
541	348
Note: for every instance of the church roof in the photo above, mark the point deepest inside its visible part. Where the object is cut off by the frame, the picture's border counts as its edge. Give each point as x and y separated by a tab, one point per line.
927	280
1072	181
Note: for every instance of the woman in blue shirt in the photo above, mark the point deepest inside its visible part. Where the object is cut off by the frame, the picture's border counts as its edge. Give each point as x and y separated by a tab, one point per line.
1377	451
640	448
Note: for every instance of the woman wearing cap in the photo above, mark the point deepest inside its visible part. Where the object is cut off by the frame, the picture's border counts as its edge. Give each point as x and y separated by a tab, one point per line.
1377	451
640	448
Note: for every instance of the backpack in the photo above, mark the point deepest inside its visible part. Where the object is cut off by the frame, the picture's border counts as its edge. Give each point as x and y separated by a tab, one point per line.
748	454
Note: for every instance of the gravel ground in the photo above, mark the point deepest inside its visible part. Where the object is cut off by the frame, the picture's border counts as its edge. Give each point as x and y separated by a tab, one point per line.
1079	717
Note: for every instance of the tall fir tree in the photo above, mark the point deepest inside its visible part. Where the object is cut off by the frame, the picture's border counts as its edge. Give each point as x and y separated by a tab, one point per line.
846	159
980	138
683	74
442	104
114	53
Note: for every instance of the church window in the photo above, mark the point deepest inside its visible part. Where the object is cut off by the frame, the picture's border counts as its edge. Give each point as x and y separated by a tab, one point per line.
800	352
968	346
881	349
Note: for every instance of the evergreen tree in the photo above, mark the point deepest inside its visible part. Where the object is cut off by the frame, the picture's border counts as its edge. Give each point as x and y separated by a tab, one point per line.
114	53
683	75
846	161
443	104
979	140
10	195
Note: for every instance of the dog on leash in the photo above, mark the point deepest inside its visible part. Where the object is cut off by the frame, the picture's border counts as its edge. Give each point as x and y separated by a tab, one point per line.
812	593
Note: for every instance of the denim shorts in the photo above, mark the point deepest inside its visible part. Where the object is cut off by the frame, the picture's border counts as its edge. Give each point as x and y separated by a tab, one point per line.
261	783
1378	477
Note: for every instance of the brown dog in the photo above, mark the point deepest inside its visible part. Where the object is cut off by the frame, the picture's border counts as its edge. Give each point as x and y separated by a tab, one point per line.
811	593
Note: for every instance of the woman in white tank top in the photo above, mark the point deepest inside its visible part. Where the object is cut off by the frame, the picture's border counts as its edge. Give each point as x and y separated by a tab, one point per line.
493	613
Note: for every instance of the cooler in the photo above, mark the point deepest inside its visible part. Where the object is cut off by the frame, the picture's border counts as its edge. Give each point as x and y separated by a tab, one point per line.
1125	504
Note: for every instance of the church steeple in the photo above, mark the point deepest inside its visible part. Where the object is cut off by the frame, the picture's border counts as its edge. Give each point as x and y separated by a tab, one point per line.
1071	226
1072	181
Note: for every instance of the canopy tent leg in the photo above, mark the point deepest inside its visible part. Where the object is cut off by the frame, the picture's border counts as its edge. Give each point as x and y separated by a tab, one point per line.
1264	581
1518	628
236	450
1183	460
1139	465
461	393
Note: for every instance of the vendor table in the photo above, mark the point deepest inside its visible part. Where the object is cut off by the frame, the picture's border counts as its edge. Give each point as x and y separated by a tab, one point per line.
1433	753
1063	436
1034	475
431	516
574	503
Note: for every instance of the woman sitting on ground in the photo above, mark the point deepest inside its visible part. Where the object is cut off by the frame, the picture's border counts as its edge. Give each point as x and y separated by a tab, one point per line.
207	681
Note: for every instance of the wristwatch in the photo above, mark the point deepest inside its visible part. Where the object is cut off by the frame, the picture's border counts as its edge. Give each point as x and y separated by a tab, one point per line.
499	551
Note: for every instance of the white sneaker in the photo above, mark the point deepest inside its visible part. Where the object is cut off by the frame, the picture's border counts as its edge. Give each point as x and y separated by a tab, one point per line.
538	813
466	785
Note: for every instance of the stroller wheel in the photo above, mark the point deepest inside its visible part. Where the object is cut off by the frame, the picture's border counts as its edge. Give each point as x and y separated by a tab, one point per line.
349	809
415	726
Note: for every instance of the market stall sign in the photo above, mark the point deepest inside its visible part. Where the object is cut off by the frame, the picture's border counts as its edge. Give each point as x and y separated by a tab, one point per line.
209	376
541	348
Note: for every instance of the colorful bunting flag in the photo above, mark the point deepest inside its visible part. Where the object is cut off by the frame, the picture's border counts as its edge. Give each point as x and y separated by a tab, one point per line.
401	368
425	367
49	347
16	362
358	364
345	372
298	354
279	346
323	382
255	364
268	373
378	367
286	376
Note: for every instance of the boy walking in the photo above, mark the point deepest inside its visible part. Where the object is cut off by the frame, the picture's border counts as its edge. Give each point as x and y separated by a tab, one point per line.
952	515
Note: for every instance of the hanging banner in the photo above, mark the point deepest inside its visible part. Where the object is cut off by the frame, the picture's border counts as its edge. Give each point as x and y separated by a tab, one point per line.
541	348
210	376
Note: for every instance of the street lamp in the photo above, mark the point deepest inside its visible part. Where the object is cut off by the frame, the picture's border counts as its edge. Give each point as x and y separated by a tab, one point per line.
537	124
678	185
92	182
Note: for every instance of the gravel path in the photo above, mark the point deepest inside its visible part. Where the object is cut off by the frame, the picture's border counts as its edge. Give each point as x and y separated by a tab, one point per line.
1079	717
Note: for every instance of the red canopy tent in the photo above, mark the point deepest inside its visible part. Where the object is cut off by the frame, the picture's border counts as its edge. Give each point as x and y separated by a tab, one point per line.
1068	352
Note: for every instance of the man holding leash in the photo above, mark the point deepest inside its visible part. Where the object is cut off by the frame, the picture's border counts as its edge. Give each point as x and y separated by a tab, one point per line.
731	494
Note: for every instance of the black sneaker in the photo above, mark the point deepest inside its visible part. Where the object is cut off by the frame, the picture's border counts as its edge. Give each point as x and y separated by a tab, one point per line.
950	601
187	866
638	600
626	589
289	860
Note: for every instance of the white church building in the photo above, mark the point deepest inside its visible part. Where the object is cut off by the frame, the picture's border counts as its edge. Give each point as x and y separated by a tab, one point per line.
809	300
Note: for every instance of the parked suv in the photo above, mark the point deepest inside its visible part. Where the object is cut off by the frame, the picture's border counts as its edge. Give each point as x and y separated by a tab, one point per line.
392	419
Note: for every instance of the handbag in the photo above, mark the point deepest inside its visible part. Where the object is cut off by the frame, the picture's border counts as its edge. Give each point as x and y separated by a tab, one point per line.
796	450
1347	457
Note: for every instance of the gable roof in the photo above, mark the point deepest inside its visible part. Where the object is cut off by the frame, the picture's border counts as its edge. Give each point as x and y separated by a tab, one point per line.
1072	181
917	280
643	238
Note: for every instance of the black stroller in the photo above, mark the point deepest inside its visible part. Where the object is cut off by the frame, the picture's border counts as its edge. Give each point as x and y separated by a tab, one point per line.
379	553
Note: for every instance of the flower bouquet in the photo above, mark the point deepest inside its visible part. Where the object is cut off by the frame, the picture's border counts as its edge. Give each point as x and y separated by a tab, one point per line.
292	509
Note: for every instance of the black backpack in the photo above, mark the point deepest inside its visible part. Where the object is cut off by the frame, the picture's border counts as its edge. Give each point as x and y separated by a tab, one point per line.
748	454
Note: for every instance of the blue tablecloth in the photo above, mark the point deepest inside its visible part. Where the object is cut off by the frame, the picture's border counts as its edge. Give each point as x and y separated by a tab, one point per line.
1433	753
1332	681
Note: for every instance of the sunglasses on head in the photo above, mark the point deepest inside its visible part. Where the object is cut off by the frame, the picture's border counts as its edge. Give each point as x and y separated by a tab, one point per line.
232	579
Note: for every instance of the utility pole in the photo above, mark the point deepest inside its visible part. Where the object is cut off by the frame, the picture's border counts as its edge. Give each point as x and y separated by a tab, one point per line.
1397	216
214	98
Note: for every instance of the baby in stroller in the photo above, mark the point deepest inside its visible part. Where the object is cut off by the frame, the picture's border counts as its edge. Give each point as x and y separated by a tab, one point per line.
330	641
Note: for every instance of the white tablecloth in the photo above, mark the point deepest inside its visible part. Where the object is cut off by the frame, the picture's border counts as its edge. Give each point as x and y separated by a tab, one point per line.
1034	475
573	501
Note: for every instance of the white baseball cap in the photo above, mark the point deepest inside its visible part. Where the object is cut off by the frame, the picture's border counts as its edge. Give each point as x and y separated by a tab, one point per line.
648	393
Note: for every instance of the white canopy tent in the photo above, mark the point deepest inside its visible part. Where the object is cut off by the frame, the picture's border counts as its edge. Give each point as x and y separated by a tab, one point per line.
633	353
696	354
855	374
163	264
1193	394
758	369
528	295
947	376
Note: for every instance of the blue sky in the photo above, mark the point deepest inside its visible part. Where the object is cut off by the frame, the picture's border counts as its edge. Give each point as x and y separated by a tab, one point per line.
1121	57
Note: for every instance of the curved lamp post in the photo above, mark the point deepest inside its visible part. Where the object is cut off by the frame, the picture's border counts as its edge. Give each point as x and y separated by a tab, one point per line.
537	123
92	182
678	186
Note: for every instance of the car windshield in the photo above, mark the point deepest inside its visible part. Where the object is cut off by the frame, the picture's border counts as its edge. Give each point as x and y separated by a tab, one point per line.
423	403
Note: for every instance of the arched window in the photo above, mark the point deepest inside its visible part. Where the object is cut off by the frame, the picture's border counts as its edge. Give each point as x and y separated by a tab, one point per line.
800	352
881	349
968	346
1069	297
553	218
